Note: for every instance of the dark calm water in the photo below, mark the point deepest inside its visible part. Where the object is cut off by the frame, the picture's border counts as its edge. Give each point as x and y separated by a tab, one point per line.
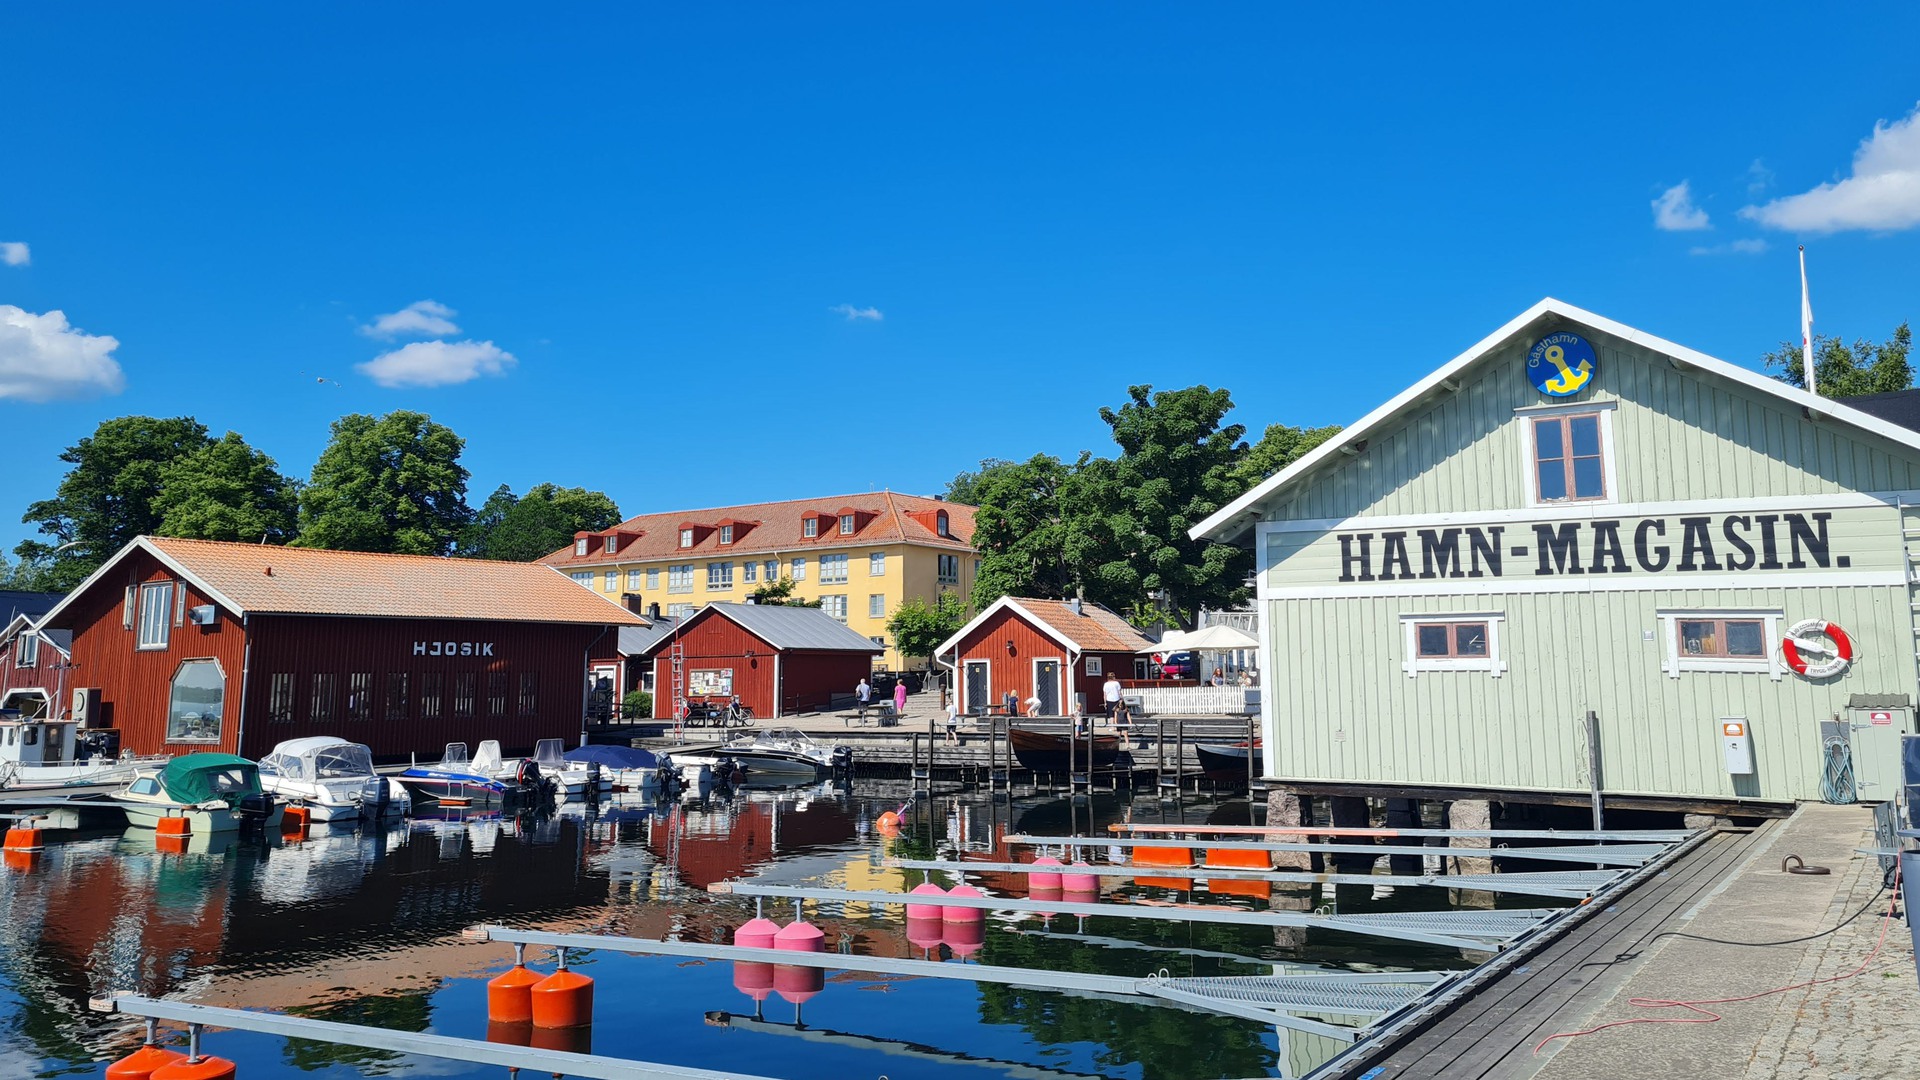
362	926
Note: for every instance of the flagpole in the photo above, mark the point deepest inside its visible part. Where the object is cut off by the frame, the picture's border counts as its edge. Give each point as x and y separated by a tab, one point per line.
1806	326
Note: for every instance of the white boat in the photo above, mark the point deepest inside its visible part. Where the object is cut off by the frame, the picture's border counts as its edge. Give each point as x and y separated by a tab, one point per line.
457	780
782	755
625	768
214	792
572	779
333	778
43	753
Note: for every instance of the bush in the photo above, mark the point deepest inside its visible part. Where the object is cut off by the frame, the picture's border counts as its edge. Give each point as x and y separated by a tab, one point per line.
637	705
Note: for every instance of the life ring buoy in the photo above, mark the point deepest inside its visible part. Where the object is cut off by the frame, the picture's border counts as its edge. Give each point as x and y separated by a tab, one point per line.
1823	668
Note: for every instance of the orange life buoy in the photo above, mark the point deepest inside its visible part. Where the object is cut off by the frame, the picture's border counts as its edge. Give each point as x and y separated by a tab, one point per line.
1816	668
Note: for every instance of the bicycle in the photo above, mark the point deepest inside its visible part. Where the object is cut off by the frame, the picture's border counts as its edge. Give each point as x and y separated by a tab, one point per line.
735	715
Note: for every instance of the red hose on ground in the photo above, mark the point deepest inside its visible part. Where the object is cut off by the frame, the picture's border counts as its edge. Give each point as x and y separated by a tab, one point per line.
1707	1016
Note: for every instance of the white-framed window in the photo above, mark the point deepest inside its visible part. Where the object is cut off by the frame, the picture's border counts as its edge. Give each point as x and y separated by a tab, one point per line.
719	576
1467	641
653	577
1569	453
633	581
1728	640
27	654
878	639
809	527
686	537
613	544
772	567
582	577
949	569
610	581
877	564
1093	665
749	571
940	524
580	545
679	611
876	605
833	569
846	524
680	578
156	614
196	707
127	604
799	570
726	534
835	605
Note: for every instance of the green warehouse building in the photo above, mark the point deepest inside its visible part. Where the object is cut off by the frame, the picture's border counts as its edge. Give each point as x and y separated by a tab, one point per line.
1576	517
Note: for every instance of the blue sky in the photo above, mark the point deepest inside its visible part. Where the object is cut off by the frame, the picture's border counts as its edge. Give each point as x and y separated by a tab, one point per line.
712	254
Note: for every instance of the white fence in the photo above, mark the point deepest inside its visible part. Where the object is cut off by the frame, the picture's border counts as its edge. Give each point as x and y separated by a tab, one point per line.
1194	700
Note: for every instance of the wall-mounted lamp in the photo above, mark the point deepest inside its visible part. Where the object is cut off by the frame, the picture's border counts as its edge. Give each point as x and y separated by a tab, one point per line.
1009	646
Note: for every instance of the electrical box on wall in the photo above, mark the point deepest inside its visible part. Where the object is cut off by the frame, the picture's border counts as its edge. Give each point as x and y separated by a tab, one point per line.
1736	743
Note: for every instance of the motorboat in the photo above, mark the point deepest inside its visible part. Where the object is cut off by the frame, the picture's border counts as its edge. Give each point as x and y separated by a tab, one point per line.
458	779
782	755
333	778
573	780
626	768
214	792
1045	752
1226	763
37	752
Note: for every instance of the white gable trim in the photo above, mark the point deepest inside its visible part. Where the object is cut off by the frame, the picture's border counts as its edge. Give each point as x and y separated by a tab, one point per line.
142	543
1005	602
1234	518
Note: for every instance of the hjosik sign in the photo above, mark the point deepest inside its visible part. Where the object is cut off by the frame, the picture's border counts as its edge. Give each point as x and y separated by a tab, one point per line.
1728	542
453	648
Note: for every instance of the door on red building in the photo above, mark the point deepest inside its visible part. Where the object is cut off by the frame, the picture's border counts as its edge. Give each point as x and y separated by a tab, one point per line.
979	686
1046	686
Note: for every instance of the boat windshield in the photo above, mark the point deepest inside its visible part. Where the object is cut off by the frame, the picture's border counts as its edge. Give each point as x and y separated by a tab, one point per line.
550	754
342	760
454	754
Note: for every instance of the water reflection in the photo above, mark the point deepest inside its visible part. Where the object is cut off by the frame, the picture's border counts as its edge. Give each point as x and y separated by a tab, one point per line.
361	925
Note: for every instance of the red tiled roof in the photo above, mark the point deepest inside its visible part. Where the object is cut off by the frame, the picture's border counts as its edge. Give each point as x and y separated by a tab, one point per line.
895	519
1097	630
309	581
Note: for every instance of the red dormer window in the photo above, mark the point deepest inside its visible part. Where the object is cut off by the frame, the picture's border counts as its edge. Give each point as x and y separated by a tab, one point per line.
809	527
580	545
846	524
726	534
940	523
686	538
613	544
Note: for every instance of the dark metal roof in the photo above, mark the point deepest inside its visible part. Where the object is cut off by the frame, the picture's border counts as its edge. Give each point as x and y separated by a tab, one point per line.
635	640
1895	407
784	627
31	604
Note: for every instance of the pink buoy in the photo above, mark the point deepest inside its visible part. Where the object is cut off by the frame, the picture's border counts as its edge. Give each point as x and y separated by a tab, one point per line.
1044	895
964	914
1071	896
1079	879
757	934
964	938
925	911
925	934
752	978
797	984
1043	879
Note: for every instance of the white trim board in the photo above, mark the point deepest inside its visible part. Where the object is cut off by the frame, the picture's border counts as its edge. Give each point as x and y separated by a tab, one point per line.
1595	511
1588	583
1230	521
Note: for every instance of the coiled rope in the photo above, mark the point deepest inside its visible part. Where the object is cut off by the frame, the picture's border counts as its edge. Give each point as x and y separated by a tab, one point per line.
1836	783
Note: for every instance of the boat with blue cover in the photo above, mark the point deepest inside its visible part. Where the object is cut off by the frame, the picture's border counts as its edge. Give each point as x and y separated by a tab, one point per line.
471	780
628	767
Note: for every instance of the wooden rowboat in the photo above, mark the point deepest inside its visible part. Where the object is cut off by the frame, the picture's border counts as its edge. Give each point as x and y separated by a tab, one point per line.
1047	753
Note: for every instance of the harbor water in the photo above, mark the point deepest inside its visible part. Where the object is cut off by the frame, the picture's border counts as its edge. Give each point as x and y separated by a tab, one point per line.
363	925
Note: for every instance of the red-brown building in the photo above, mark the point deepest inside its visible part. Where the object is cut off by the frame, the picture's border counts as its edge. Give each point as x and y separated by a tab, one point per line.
780	660
198	645
33	663
1045	649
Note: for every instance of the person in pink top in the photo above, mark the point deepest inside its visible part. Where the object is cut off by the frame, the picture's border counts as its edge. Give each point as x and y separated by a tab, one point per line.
900	697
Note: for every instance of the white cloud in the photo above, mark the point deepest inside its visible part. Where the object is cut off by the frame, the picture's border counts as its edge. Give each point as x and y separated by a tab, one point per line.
1759	178
42	358
1674	210
422	318
1882	193
855	314
14	253
438	363
1738	247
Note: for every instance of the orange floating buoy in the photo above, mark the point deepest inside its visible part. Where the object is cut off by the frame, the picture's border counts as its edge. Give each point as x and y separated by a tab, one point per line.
925	911
205	1068
1081	880
1164	856
510	1034
1259	890
173	826
1239	858
21	860
23	838
171	845
140	1064
1044	879
887	824
964	914
295	820
563	999
573	1040
510	995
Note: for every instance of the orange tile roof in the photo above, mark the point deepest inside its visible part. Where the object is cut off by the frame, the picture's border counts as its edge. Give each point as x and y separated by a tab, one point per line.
895	519
1098	630
259	578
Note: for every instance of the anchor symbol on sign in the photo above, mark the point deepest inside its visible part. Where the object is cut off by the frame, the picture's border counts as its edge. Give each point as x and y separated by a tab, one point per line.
1569	379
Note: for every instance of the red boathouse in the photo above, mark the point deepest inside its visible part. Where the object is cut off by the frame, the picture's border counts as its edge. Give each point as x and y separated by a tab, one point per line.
1045	649
187	645
781	660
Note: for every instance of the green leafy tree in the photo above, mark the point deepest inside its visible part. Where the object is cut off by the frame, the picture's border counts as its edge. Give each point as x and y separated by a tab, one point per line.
1176	467
392	483
1021	529
108	497
965	488
1843	372
779	592
536	524
227	490
1281	446
918	628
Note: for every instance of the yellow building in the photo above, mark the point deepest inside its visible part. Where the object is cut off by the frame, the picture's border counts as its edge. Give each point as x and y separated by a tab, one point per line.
862	556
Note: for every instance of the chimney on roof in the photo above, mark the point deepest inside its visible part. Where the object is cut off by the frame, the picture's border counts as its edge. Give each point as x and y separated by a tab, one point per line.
631	601
653	611
1077	606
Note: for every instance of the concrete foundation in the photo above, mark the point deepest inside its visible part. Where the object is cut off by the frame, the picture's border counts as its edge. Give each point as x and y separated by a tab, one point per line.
1470	814
1287	810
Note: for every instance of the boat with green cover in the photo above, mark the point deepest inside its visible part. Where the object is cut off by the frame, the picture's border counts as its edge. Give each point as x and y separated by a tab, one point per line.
214	792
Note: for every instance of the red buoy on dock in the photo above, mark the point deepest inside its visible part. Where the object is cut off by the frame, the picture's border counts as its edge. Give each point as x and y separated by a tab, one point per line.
563	999
1044	879
510	996
171	845
205	1068
294	821
925	911
21	860
23	838
140	1064
172	826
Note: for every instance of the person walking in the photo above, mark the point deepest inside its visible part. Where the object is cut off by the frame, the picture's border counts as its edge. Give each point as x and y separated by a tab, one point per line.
863	695
953	723
900	697
1110	694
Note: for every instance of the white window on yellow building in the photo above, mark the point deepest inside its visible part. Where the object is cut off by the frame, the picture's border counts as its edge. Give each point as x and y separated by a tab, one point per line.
653	577
719	576
876	605
773	570
799	570
833	569
679	611
726	534
582	577
949	569
877	564
680	578
835	605
633	581
749	571
610	581
846	524
810	527
580	546
686	537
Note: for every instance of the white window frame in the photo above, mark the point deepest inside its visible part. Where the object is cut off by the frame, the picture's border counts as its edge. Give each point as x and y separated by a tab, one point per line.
633	581
146	642
750	571
809	527
582	578
27	653
835	569
1494	663
1529	455
1771	663
799	569
877	564
686	538
580	545
834	605
680	578
726	534
679	611
941	575
653	577
719	576
846	524
613	544
610	581
1094	666
772	569
877	605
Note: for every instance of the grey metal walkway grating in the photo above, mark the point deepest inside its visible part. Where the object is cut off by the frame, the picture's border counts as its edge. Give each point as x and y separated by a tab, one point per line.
1358	995
1492	926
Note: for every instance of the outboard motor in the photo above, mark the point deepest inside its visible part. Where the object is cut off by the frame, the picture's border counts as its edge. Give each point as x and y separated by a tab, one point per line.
533	787
843	761
255	809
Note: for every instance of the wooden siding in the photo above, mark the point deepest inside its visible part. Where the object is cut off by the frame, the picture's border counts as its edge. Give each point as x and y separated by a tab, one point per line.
1014	671
771	682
